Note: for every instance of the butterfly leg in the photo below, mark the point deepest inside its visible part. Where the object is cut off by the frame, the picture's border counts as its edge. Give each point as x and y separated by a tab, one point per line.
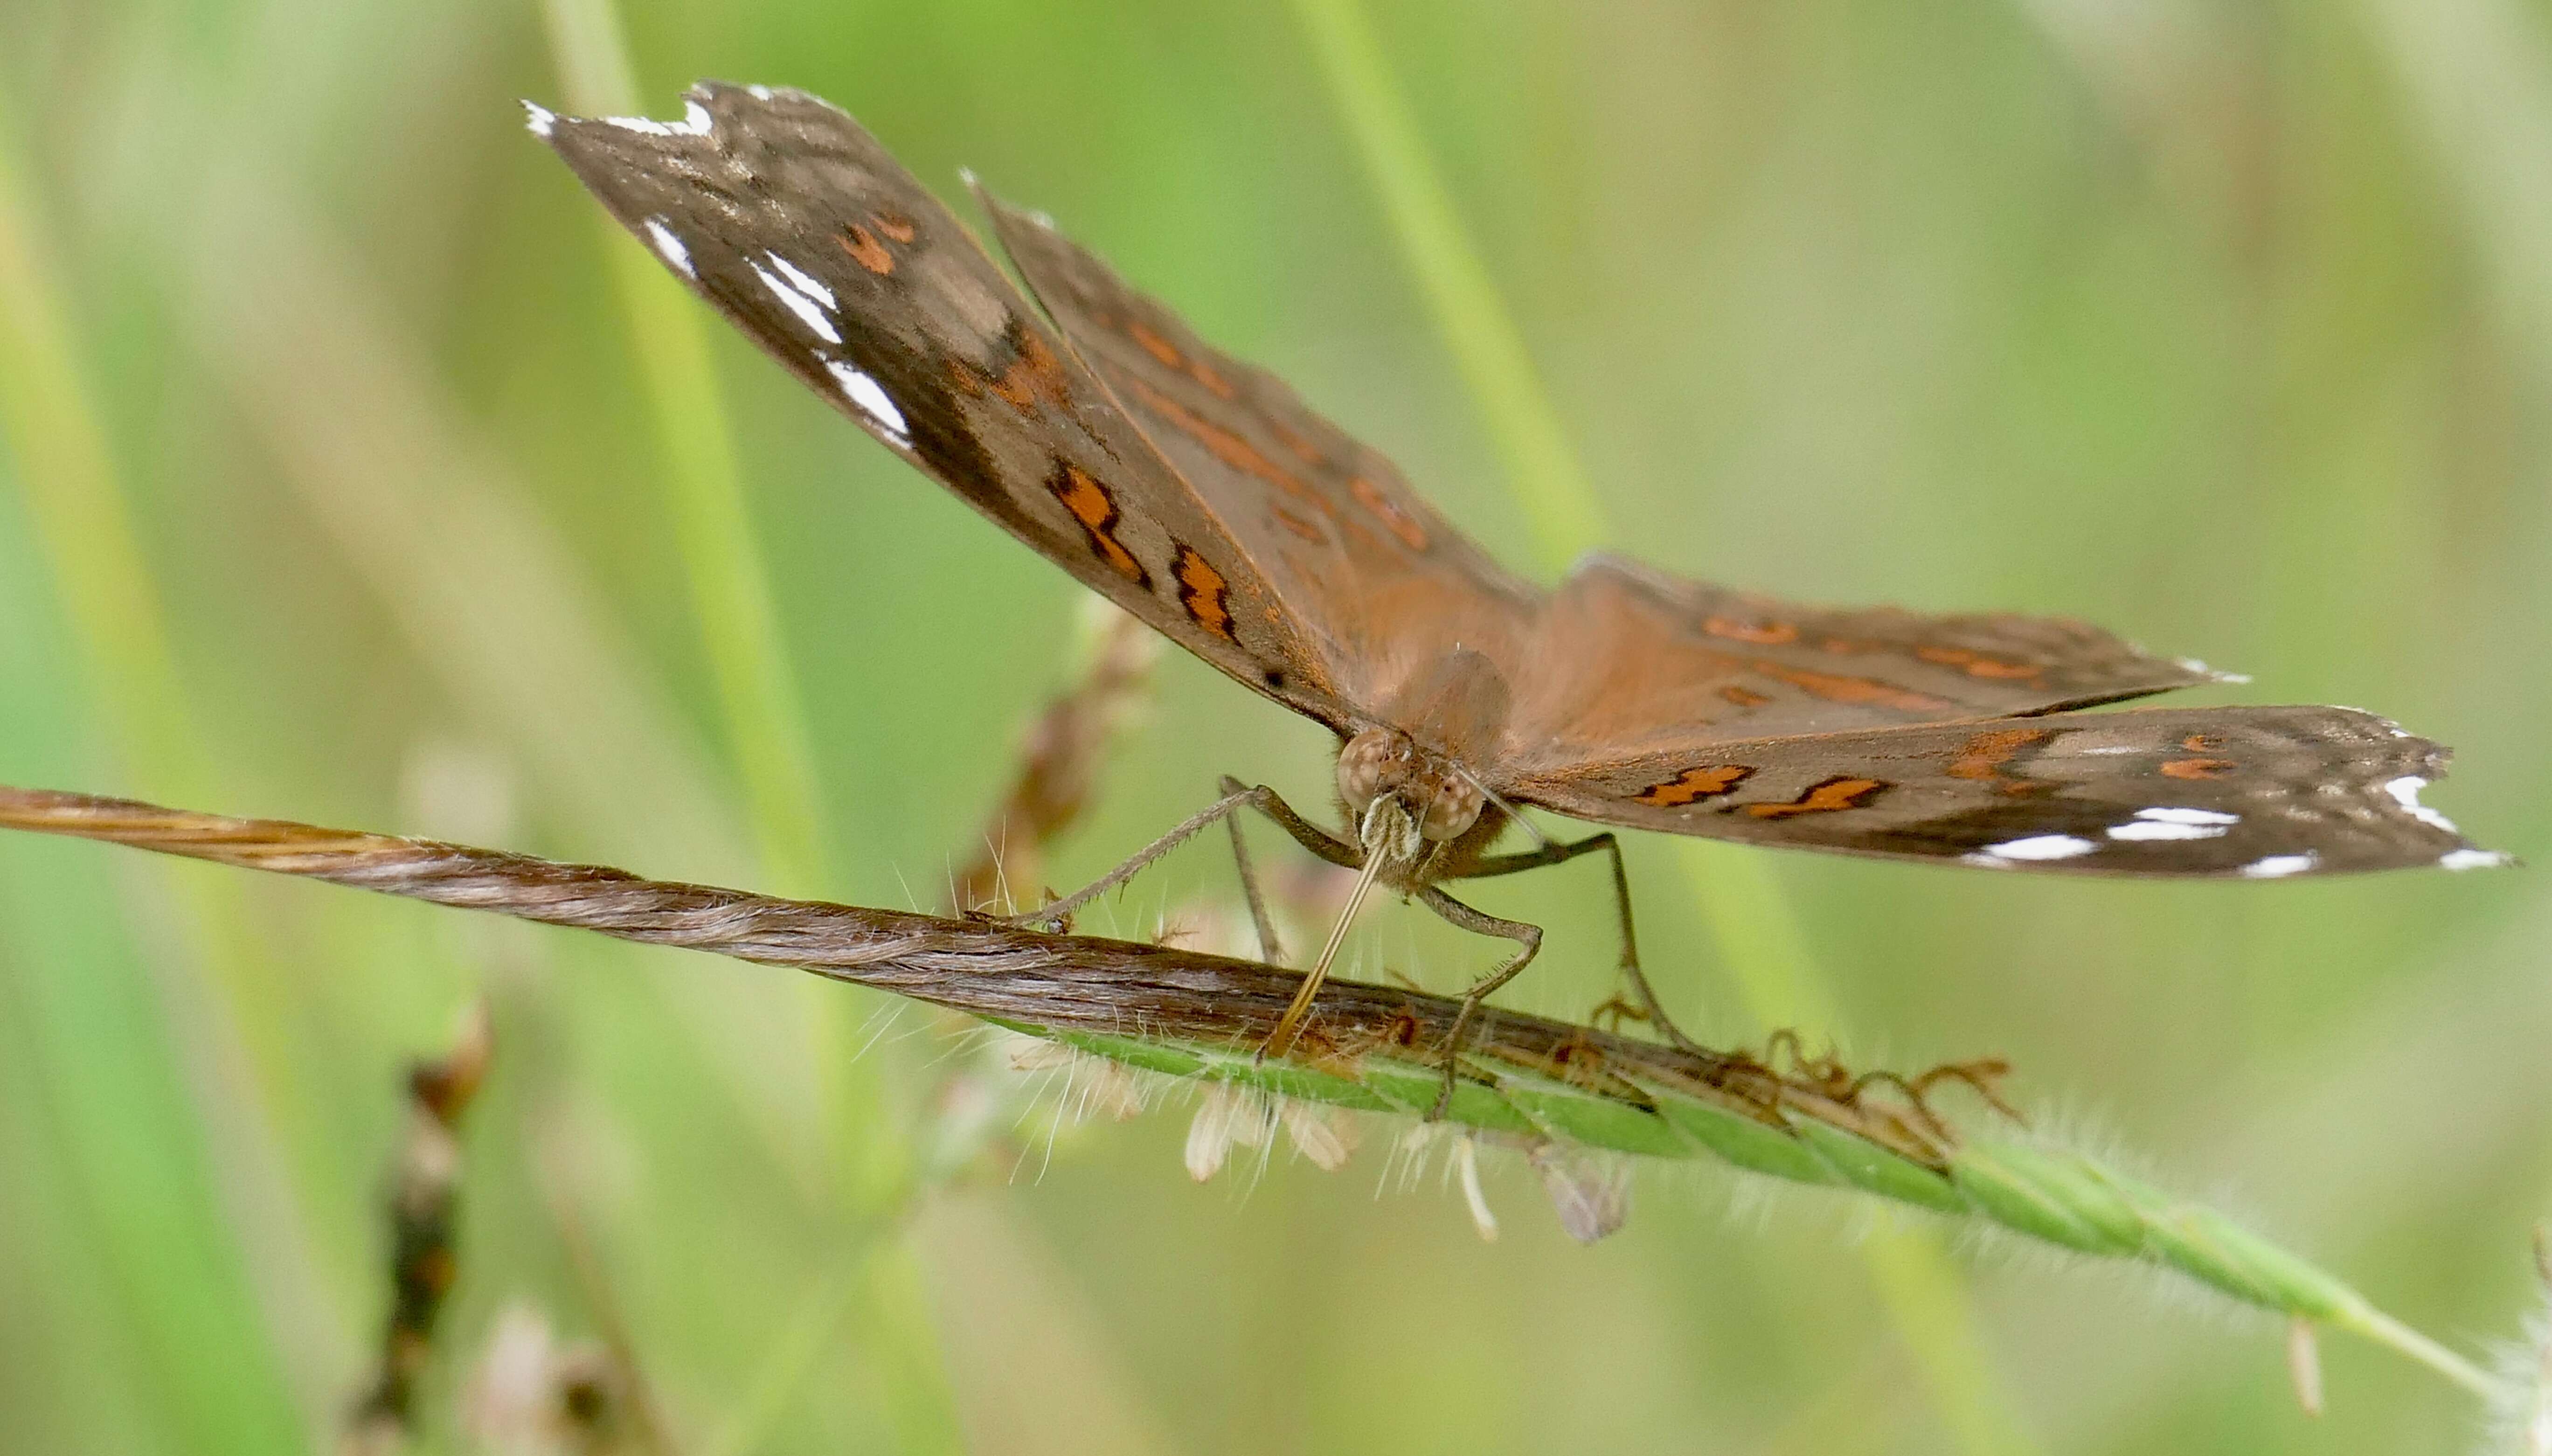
1321	842
1268	949
1529	937
1235	796
1370	862
1056	912
1651	1009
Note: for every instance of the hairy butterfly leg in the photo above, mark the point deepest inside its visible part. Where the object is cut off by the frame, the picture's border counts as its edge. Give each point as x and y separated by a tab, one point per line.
1322	843
1326	846
1479	922
1235	796
1649	1007
1269	950
1057	912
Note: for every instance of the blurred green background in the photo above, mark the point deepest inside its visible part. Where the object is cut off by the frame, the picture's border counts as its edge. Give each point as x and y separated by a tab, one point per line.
337	485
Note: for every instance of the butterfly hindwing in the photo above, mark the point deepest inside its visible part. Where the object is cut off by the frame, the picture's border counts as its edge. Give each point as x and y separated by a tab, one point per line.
803	231
2258	793
1632	659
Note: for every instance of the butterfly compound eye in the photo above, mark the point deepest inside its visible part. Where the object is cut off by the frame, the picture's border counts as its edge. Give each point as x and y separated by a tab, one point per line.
1453	810
1370	763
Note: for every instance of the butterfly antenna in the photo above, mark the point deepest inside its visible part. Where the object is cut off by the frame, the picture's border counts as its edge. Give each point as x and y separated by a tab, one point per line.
1514	815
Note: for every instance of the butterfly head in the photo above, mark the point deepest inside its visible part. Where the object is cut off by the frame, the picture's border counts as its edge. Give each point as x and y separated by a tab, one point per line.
1384	766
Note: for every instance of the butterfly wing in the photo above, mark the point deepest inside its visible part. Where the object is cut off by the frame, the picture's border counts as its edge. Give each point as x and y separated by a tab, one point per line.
1634	660
790	219
1619	653
1375	573
2258	793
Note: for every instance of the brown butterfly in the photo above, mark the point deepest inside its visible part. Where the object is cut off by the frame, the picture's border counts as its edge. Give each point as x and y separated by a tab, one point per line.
1200	495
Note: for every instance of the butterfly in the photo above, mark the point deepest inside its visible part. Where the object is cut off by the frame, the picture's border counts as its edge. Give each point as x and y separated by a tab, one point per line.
1199	494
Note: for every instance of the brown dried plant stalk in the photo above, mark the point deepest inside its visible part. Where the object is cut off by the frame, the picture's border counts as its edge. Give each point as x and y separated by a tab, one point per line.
1060	758
423	1197
1547	1085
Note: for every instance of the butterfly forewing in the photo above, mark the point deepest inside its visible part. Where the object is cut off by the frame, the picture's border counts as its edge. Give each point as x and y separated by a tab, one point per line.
806	233
2260	792
1372	568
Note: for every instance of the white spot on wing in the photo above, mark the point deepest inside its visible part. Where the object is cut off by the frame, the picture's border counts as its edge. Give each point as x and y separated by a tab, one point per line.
2172	815
800	282
694	122
2474	858
2193	664
2139	830
540	118
2277	867
797	303
2171	821
758	93
670	248
2041	847
872	400
2406	793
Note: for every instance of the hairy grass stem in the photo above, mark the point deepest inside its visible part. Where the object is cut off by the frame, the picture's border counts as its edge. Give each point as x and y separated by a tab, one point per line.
1529	1081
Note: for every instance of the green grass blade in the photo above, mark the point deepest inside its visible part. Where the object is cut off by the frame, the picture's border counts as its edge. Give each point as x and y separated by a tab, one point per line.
1525	1081
1479	332
2050	1195
188	1280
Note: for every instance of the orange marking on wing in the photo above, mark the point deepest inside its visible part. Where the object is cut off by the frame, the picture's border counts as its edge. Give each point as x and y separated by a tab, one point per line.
1226	446
2197	768
867	251
1153	343
1692	784
1214	384
1853	689
1822	798
1203	594
2199	743
1295	442
896	226
1034	375
1976	663
1402	523
1762	633
1979	756
1096	510
1744	697
1296	524
1852	645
